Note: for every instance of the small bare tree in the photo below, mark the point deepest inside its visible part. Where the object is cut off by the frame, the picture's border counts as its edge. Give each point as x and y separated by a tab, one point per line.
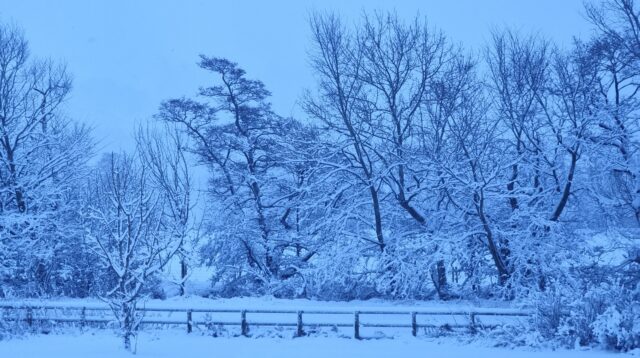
164	153
126	225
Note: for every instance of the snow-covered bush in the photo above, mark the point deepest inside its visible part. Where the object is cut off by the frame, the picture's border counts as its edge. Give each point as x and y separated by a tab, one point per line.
618	327
607	314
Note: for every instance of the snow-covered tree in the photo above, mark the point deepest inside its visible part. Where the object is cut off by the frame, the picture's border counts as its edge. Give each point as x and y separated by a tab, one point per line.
164	152
42	158
127	226
244	144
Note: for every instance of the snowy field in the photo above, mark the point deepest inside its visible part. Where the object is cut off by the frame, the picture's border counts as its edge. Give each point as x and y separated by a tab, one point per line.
171	344
279	316
176	342
319	316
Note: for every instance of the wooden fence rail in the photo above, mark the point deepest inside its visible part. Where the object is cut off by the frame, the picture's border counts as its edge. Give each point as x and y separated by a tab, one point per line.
38	313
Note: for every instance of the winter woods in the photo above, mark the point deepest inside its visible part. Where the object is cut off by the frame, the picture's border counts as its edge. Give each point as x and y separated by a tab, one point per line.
418	169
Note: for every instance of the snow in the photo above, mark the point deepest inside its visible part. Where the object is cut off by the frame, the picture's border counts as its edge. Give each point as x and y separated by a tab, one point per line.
268	302
178	344
451	313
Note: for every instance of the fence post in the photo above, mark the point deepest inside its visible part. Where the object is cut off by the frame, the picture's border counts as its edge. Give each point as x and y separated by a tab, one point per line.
244	327
30	316
299	331
83	317
356	325
472	323
189	322
414	324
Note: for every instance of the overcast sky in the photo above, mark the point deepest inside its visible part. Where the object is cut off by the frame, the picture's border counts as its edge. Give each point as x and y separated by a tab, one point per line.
127	56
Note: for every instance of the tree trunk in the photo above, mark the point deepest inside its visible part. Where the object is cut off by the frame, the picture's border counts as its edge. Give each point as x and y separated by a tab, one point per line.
127	341
377	217
183	275
441	277
567	187
503	271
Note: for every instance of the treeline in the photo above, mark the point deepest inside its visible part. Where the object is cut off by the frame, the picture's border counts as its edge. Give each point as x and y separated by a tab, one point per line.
420	170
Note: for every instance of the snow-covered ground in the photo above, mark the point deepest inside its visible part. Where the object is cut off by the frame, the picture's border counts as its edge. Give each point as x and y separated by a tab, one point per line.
267	302
173	344
270	303
339	323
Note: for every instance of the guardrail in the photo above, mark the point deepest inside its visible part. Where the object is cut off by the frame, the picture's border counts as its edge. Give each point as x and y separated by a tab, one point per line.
473	320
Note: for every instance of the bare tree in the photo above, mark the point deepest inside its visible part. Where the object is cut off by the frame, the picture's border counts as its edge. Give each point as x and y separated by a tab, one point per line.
42	154
474	168
615	48
568	109
618	20
519	75
235	133
402	65
126	224
169	169
343	110
546	101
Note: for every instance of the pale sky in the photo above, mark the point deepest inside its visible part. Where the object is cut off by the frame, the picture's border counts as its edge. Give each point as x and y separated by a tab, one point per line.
127	56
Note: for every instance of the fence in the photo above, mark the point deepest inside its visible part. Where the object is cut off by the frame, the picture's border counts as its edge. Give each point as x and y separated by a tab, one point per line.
300	320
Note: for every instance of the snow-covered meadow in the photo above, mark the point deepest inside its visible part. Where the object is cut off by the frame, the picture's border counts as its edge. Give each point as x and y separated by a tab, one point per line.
168	344
271	317
280	342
